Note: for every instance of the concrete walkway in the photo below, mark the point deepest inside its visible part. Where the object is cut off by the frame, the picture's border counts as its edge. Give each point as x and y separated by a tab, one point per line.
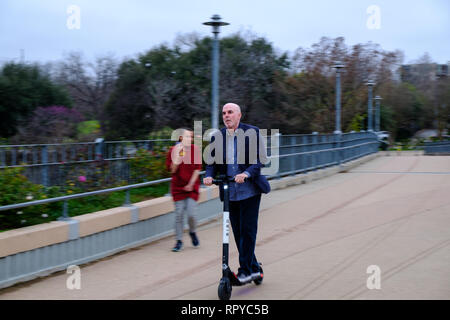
315	241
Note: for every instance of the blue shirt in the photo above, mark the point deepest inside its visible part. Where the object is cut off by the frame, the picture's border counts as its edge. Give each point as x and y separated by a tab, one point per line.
238	191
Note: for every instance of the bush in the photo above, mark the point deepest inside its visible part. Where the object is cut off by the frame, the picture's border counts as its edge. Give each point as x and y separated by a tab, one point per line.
16	188
53	124
88	130
149	165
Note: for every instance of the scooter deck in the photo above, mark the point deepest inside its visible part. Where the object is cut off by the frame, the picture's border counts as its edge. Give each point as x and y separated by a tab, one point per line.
234	280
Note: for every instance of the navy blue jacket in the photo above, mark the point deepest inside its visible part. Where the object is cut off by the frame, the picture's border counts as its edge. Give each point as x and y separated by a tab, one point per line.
253	169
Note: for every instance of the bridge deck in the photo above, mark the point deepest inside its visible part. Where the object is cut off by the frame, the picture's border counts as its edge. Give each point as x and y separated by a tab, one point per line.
315	242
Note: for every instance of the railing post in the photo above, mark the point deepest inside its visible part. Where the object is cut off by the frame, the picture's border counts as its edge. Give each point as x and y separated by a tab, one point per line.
291	151
2	157
127	198
44	160
279	153
13	156
331	155
338	138
304	156
99	149
65	213
314	148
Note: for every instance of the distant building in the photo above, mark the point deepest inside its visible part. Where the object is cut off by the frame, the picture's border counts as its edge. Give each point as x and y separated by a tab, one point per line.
442	70
428	71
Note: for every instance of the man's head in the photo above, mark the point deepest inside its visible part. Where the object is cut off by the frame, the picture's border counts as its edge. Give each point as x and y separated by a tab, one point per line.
231	115
186	136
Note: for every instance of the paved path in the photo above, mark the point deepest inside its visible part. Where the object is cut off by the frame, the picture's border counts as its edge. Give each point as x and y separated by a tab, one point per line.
316	241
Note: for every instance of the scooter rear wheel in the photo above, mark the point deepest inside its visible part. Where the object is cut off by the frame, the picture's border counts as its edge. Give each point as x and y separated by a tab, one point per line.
260	279
224	289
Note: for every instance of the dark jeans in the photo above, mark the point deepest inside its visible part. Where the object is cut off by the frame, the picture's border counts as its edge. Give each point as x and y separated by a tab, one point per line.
244	221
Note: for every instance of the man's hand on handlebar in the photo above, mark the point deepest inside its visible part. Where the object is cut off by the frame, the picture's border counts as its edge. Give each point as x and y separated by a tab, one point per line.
240	178
207	181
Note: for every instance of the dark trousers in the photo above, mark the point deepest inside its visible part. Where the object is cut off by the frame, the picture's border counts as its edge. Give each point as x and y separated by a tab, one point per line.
244	221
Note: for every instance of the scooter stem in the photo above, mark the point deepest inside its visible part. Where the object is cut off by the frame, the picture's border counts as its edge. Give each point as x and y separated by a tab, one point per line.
226	229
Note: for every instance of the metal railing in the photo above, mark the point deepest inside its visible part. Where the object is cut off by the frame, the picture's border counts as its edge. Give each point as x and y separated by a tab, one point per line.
302	153
297	154
43	162
437	148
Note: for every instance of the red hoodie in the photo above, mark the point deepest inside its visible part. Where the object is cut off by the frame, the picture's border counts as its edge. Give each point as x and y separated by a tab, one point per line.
181	177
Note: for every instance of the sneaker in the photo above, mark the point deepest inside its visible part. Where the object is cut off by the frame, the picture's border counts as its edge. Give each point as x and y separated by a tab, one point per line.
194	238
244	278
178	246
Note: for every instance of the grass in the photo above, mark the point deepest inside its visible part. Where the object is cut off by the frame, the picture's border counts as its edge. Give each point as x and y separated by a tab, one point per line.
86	128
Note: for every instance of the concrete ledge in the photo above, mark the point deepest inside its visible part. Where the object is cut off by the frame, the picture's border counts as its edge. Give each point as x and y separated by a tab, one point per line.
352	164
95	222
402	153
208	193
154	207
29	238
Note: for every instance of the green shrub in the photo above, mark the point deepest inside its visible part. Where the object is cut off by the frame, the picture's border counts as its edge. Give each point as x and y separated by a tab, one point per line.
16	188
149	165
88	130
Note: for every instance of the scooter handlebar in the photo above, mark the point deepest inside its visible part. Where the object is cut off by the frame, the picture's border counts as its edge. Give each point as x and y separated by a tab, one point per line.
222	179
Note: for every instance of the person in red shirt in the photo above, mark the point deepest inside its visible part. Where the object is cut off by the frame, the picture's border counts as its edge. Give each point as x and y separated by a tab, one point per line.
184	163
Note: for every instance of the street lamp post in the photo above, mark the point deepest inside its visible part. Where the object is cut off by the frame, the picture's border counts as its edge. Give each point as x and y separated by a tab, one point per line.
215	23
370	85
338	66
377	113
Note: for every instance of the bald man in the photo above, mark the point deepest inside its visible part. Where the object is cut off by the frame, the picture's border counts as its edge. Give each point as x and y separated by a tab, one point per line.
241	163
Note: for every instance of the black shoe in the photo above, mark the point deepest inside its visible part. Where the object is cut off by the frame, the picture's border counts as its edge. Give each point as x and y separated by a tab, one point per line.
194	238
178	246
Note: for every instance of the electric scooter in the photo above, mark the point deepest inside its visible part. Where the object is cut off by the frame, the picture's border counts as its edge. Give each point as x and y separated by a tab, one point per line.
229	278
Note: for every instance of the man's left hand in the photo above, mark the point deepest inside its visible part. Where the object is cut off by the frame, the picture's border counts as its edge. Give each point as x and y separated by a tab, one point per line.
240	178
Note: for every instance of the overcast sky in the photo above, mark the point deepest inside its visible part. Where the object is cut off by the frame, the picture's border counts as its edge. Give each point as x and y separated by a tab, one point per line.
127	28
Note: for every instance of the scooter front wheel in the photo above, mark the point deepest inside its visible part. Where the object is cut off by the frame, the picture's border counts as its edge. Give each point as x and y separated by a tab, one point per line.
224	290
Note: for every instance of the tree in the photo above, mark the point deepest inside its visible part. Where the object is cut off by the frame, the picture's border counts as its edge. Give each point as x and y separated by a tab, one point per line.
408	106
127	112
171	86
313	81
51	124
250	68
89	84
23	88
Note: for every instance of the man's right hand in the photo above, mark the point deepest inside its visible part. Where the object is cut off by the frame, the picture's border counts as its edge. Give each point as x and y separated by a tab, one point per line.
176	158
207	181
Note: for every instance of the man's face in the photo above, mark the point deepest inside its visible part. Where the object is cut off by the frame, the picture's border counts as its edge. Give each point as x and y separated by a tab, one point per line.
187	137
231	116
